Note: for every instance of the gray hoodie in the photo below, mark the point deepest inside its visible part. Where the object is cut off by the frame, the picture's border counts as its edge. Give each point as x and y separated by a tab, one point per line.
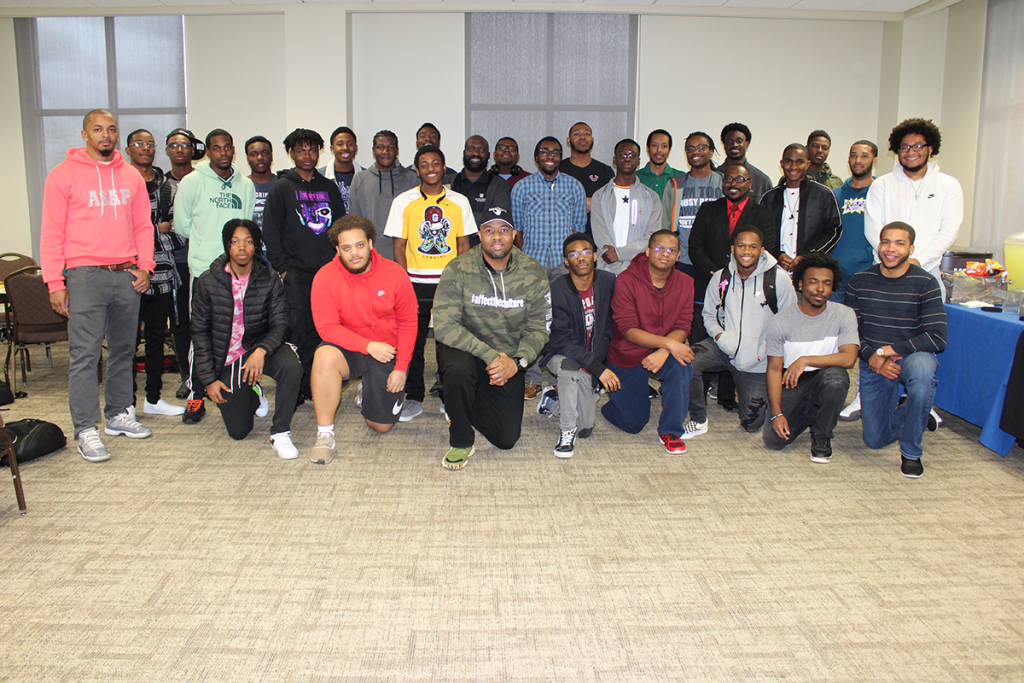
371	195
742	319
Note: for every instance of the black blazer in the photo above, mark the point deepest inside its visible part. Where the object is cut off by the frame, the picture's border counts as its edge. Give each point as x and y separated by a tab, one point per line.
711	244
568	330
820	224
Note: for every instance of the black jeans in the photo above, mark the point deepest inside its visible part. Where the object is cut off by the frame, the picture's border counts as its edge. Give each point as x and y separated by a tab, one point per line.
814	403
155	311
472	401
297	288
415	387
238	413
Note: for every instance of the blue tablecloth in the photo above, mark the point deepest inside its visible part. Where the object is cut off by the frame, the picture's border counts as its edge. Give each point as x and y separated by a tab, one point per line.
974	370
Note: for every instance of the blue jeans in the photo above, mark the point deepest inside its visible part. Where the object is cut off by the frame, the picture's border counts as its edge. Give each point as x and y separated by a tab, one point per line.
629	408
884	421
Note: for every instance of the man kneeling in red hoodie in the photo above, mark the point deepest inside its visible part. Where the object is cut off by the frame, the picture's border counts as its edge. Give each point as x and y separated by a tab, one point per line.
652	310
365	311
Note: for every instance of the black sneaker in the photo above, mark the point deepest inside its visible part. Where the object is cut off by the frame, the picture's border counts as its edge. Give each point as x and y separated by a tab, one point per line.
652	393
194	412
821	450
932	424
566	441
912	469
585	433
729	405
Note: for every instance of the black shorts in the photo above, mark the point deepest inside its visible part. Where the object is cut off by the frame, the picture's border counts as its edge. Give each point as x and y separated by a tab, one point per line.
379	405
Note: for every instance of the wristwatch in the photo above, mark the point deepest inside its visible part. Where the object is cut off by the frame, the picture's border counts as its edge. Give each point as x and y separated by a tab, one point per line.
880	352
520	362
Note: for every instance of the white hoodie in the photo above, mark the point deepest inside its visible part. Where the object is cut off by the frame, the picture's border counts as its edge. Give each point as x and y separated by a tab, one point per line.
934	209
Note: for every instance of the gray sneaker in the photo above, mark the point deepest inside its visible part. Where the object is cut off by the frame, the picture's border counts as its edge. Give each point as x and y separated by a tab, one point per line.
90	446
411	410
122	423
323	450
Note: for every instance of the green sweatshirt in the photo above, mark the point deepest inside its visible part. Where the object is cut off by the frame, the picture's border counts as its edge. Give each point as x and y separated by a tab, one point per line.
203	204
485	312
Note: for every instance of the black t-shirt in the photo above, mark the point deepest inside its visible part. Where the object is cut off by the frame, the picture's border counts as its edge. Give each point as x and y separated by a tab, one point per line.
593	176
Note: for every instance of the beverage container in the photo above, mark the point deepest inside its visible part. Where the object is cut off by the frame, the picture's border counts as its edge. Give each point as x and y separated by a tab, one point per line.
1013	259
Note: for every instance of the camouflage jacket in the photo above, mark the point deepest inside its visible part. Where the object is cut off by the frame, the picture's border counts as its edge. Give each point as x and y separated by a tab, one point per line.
486	312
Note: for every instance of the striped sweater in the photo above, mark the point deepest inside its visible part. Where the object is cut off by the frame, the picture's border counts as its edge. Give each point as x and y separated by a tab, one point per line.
904	312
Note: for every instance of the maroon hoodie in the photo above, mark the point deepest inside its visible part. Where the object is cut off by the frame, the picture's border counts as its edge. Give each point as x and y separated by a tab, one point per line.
637	303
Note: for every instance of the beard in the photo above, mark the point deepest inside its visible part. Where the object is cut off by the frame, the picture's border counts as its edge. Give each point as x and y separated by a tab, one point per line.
914	169
898	263
474	164
498	255
862	174
357	271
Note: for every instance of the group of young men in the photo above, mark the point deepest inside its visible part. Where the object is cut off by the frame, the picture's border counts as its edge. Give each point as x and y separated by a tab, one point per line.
606	276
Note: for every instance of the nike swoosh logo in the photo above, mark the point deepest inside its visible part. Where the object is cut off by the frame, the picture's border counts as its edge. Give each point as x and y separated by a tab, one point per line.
398	407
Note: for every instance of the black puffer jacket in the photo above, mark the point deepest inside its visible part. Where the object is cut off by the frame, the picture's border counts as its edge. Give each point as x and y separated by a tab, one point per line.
265	310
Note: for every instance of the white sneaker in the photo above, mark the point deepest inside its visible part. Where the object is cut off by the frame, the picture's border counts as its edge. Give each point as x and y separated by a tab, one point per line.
125	424
359	396
282	443
90	447
131	412
264	408
161	407
851	413
691	429
935	416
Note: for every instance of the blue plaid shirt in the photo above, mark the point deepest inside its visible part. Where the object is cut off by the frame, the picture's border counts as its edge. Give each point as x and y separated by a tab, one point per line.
546	211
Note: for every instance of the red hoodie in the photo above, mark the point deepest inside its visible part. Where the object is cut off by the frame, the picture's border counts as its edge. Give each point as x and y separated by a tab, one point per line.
94	214
379	304
637	303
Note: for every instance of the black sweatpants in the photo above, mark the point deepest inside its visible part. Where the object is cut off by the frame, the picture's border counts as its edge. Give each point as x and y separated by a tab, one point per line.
472	401
238	413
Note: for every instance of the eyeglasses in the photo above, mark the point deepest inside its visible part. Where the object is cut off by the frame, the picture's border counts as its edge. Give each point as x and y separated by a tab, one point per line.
139	144
549	153
583	253
917	148
696	148
666	250
628	155
179	146
739	180
507	148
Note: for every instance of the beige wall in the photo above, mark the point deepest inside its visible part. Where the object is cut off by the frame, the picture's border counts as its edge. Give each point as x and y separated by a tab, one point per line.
14	226
681	91
390	91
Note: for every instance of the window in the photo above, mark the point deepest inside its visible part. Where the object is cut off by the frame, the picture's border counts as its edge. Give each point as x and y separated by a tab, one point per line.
530	75
132	66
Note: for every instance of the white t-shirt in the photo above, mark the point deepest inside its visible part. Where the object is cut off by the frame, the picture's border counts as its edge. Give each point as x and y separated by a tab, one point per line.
620	226
790	219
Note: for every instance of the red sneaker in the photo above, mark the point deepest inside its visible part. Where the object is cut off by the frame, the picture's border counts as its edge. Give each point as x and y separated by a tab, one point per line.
673	444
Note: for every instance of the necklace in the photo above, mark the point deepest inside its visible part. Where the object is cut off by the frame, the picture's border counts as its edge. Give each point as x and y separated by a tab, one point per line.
792	211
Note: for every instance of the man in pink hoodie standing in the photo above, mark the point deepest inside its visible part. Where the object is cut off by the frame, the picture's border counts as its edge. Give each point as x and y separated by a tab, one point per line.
96	249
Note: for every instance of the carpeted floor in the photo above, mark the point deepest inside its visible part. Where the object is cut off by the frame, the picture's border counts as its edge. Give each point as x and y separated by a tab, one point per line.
190	557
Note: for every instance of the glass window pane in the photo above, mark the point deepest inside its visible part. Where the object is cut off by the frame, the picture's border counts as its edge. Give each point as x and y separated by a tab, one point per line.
72	63
494	77
588	49
150	62
60	133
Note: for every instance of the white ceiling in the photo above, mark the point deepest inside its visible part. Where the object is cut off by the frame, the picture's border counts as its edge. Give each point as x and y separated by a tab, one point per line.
818	5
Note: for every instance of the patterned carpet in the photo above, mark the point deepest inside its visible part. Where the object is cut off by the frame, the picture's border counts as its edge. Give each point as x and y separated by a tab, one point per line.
190	557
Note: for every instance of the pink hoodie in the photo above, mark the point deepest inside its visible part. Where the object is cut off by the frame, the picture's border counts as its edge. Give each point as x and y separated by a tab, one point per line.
94	214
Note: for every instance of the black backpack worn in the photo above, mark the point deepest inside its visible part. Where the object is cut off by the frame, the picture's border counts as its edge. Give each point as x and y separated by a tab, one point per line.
34	439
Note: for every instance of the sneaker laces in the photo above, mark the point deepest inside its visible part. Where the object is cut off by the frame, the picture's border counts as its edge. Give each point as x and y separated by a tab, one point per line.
194	405
124	419
325	439
91	439
567	438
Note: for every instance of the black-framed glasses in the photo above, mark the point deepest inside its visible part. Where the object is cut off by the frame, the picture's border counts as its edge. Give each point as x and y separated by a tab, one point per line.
140	144
916	147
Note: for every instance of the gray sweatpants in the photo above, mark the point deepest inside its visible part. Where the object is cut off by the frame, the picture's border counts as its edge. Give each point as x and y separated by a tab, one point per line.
577	402
102	304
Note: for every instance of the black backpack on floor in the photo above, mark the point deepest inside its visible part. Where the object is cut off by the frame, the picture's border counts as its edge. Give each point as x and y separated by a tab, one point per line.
34	439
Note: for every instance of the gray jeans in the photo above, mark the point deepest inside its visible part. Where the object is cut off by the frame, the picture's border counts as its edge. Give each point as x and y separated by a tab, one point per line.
102	304
751	389
577	401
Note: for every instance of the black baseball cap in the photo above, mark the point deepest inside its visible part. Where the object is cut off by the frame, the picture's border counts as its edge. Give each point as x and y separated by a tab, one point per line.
198	148
499	213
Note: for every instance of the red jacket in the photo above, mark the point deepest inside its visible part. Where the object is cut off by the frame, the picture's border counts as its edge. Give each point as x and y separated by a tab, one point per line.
637	303
379	304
